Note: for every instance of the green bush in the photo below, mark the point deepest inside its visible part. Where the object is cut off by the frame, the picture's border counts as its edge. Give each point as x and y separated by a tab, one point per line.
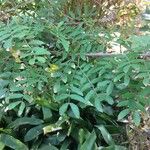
53	96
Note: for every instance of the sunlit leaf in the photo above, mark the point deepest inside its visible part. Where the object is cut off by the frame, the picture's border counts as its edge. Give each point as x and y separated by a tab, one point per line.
13	105
123	113
63	108
75	110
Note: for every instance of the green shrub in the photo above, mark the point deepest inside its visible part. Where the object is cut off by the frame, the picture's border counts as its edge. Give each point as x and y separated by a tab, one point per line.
54	97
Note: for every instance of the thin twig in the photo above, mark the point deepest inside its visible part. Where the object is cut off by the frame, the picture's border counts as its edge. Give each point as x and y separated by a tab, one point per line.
101	54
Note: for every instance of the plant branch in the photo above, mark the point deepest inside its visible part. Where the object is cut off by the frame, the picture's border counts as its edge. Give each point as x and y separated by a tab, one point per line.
101	54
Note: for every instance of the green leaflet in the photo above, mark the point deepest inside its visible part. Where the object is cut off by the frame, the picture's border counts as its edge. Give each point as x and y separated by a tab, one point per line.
21	108
4	37
2	146
80	99
123	103
107	137
40	51
98	105
136	118
110	88
75	110
65	44
47	103
33	133
41	59
63	108
14	96
89	142
13	105
36	42
47	113
62	97
12	142
25	120
89	95
48	147
65	144
2	93
8	43
76	90
123	113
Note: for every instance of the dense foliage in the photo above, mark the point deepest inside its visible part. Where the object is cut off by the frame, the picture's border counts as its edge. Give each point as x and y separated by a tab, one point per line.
55	97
